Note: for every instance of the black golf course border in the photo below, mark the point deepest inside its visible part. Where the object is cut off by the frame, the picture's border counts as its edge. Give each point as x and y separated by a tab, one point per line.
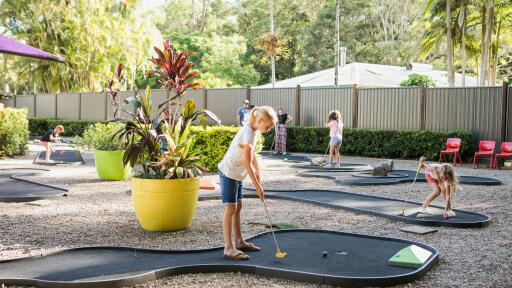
357	180
288	195
59	192
79	156
240	266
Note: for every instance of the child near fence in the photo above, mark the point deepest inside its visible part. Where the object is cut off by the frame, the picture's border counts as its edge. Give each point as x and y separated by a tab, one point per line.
283	120
52	135
335	124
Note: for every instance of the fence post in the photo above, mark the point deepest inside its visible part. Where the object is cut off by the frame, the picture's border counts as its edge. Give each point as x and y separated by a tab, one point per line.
106	107
205	97
248	94
79	106
423	108
15	97
355	105
297	105
35	106
56	106
504	111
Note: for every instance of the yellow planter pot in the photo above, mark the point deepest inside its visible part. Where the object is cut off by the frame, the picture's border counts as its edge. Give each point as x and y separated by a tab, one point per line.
165	205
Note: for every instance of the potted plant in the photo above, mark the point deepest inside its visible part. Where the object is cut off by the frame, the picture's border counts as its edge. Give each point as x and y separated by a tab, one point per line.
108	152
166	190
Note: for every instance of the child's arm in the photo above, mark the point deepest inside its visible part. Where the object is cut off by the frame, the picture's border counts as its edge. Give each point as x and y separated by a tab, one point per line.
328	124
256	166
288	119
248	155
448	193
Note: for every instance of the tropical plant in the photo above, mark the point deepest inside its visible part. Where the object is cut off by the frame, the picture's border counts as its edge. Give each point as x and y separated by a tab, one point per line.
274	45
92	37
418	80
114	85
176	75
99	137
145	134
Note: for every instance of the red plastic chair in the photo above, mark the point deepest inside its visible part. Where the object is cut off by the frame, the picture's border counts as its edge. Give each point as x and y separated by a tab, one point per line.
486	149
452	148
506	153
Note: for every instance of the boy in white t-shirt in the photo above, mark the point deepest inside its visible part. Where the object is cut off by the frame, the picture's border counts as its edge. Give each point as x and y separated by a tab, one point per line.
240	161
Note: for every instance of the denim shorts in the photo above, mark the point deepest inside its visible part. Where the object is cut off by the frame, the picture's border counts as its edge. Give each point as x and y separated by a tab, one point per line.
230	190
335	141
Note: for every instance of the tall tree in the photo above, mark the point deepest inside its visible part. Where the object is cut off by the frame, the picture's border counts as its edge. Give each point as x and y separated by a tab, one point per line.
92	35
203	14
337	43
486	39
449	44
462	27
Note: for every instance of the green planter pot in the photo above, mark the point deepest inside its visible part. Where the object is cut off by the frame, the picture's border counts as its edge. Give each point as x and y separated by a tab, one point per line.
109	165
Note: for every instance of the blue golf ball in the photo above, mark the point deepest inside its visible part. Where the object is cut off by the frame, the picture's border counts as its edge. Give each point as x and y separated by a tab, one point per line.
324	254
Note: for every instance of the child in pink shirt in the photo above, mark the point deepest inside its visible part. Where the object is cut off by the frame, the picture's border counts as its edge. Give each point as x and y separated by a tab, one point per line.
335	123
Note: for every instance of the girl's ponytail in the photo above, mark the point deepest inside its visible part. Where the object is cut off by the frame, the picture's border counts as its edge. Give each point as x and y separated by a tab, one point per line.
254	114
263	111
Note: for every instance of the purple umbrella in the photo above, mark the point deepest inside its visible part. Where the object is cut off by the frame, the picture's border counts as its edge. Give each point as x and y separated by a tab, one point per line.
9	46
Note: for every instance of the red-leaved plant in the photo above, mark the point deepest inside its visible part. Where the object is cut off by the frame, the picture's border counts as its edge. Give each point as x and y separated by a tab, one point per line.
149	134
114	84
176	76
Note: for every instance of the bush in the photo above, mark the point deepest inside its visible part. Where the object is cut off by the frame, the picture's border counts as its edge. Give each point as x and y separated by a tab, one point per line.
13	132
214	142
99	137
418	80
395	144
39	126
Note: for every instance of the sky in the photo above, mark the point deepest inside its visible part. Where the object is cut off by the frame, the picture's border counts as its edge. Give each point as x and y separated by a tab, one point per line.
149	4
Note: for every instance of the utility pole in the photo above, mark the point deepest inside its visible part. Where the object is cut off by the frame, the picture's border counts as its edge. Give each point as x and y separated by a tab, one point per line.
272	57
337	47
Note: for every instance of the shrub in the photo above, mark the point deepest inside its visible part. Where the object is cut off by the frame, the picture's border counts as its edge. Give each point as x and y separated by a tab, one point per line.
214	142
395	144
418	80
99	137
39	126
13	132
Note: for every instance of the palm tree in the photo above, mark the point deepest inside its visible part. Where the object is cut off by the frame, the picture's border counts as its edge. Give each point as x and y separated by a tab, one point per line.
449	44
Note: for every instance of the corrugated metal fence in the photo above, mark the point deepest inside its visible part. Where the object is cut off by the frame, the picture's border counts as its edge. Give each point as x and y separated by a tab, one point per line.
483	110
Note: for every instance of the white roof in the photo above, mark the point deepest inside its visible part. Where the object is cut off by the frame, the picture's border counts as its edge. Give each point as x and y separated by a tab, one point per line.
371	75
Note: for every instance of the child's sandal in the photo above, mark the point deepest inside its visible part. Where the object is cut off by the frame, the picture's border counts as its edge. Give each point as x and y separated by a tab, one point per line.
238	256
249	247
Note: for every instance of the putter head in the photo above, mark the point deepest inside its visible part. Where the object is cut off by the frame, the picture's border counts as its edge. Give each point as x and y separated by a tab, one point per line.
280	255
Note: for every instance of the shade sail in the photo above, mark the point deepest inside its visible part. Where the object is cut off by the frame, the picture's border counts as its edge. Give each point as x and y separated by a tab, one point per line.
9	46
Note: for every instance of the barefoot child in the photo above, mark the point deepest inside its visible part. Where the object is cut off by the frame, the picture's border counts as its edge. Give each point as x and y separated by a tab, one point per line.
51	136
442	179
335	123
239	162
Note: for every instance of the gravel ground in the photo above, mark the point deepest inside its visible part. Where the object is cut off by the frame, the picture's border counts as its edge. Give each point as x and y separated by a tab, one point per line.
469	257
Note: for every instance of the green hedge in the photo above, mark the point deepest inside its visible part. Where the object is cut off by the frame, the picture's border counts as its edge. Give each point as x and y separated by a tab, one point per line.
13	132
393	144
39	126
214	142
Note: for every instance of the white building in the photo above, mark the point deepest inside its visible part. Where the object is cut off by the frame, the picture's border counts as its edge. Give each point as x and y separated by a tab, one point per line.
371	75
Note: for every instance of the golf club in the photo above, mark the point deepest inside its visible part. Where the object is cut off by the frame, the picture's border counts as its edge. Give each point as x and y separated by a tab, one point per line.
325	154
422	159
279	254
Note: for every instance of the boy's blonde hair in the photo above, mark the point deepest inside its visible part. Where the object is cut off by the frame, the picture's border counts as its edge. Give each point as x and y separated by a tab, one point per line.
263	112
60	127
